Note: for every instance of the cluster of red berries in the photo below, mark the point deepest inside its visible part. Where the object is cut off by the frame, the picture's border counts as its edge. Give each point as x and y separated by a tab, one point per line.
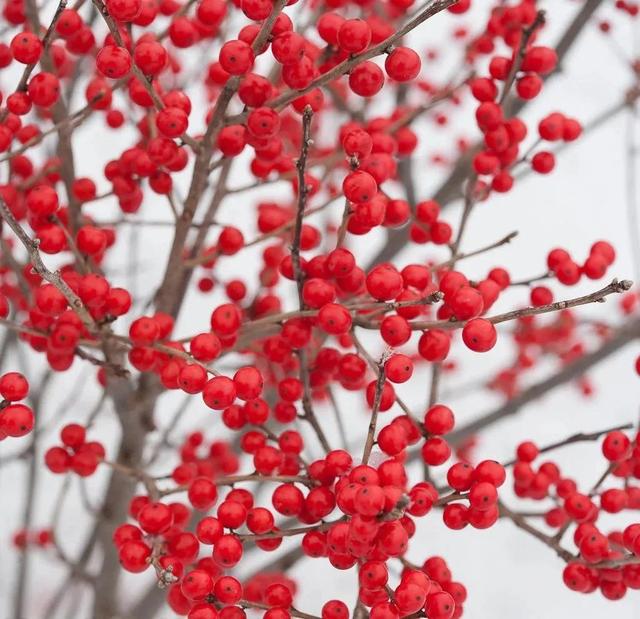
76	454
201	461
588	570
41	538
631	8
568	272
503	136
255	588
344	37
377	505
156	163
40	204
557	338
59	329
358	514
504	25
463	301
478	485
429	588
378	510
536	484
16	419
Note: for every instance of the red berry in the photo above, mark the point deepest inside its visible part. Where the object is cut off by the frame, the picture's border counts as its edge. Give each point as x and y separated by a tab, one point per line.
439	419
219	392
13	386
479	335
26	47
113	61
615	446
366	79
354	35
236	57
402	64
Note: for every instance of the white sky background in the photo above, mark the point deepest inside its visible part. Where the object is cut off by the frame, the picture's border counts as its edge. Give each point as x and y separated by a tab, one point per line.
507	573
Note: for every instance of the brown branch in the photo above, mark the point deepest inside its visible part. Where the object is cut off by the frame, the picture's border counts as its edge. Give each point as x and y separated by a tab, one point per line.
553	542
434	387
229	480
383	307
527	33
301	167
615	287
36	260
115	368
547	540
347	65
303	190
138	422
610	468
476	252
375	366
532	280
368	445
209	217
580	437
280	533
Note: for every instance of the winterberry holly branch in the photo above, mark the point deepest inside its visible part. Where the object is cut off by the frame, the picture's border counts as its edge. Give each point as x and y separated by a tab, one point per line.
310	320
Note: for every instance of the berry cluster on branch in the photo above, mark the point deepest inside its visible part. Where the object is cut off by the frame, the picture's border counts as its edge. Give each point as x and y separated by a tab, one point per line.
329	100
